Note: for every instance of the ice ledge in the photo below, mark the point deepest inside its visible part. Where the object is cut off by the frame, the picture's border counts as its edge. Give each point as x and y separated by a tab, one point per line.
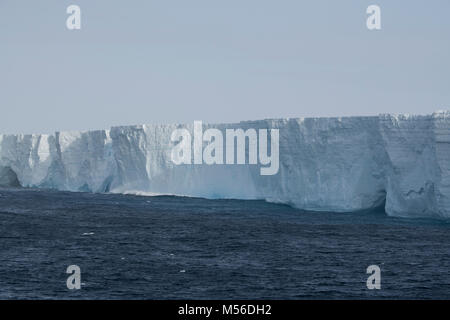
326	164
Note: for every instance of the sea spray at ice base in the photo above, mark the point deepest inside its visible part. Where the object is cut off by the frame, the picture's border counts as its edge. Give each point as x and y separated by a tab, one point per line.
326	164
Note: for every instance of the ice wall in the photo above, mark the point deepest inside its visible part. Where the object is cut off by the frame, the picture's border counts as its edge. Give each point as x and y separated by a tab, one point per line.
418	164
326	164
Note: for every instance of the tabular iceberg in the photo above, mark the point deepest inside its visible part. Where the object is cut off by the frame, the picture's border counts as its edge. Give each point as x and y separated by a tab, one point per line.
325	164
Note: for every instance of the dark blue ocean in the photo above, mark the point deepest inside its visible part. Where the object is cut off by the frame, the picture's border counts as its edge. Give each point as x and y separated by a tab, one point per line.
134	247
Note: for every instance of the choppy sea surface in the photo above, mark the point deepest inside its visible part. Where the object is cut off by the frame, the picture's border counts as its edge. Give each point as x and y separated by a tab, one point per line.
166	247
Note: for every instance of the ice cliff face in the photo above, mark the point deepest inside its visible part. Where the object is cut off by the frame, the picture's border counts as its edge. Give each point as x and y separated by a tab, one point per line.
325	164
418	164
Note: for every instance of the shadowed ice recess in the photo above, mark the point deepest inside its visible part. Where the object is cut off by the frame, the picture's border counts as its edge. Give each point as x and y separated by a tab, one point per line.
325	164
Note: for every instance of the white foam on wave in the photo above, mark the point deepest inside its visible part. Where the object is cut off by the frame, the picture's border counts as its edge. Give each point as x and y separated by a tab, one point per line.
146	193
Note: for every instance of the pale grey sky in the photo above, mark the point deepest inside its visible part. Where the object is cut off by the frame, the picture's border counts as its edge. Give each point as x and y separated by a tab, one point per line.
168	61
